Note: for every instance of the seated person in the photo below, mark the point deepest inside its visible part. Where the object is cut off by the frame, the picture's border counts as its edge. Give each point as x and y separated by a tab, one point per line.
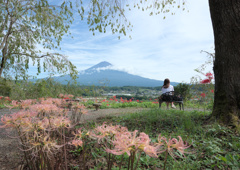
167	88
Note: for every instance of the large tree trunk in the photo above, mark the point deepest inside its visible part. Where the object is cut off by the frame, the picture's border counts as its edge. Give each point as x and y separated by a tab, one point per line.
225	16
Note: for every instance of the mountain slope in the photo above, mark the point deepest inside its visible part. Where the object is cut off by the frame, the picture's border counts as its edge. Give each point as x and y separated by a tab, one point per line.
103	74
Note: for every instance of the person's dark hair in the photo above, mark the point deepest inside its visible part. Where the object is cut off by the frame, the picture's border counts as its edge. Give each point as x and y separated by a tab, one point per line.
166	81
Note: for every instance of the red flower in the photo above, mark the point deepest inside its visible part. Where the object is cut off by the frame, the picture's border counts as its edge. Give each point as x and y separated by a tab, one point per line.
107	104
111	99
205	81
209	75
212	91
137	100
203	95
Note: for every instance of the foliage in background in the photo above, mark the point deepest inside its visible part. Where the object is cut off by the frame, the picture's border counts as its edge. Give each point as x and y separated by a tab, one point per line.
31	32
183	90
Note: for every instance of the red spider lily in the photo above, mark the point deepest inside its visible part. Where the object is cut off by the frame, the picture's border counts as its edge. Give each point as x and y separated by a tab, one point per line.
209	75
1	97
208	80
137	100
203	95
111	99
212	91
205	81
107	104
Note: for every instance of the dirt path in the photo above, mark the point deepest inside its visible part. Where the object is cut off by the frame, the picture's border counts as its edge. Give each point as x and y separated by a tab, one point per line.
10	156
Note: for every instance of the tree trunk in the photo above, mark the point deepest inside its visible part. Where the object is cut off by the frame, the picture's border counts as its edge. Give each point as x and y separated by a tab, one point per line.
225	15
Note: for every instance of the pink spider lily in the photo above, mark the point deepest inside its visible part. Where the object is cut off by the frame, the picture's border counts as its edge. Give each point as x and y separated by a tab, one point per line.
45	108
60	121
81	108
43	124
15	119
26	103
48	146
151	151
57	102
13	104
172	144
77	142
126	142
179	145
101	132
48	101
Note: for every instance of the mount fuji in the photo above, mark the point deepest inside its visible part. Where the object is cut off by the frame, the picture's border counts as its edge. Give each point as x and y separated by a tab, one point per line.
104	74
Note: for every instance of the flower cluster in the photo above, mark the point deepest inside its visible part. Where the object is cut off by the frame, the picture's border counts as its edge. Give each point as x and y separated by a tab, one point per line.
41	127
208	79
66	96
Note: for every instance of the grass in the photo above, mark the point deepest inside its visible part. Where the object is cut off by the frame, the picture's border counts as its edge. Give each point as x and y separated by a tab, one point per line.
213	146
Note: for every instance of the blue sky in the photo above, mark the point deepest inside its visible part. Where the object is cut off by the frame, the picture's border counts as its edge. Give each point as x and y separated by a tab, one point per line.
158	49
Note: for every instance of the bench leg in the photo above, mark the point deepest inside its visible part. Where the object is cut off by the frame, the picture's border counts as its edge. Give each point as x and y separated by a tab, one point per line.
180	106
160	104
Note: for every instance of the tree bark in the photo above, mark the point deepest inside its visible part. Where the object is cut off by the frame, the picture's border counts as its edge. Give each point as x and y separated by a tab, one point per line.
225	15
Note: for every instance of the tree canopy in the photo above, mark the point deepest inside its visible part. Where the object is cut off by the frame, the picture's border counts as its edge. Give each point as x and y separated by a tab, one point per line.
31	30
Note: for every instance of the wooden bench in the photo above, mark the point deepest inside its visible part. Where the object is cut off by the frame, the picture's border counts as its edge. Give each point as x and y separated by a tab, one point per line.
97	105
181	105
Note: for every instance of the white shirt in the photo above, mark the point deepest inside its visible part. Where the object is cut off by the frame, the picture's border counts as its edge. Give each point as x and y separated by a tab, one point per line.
165	90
